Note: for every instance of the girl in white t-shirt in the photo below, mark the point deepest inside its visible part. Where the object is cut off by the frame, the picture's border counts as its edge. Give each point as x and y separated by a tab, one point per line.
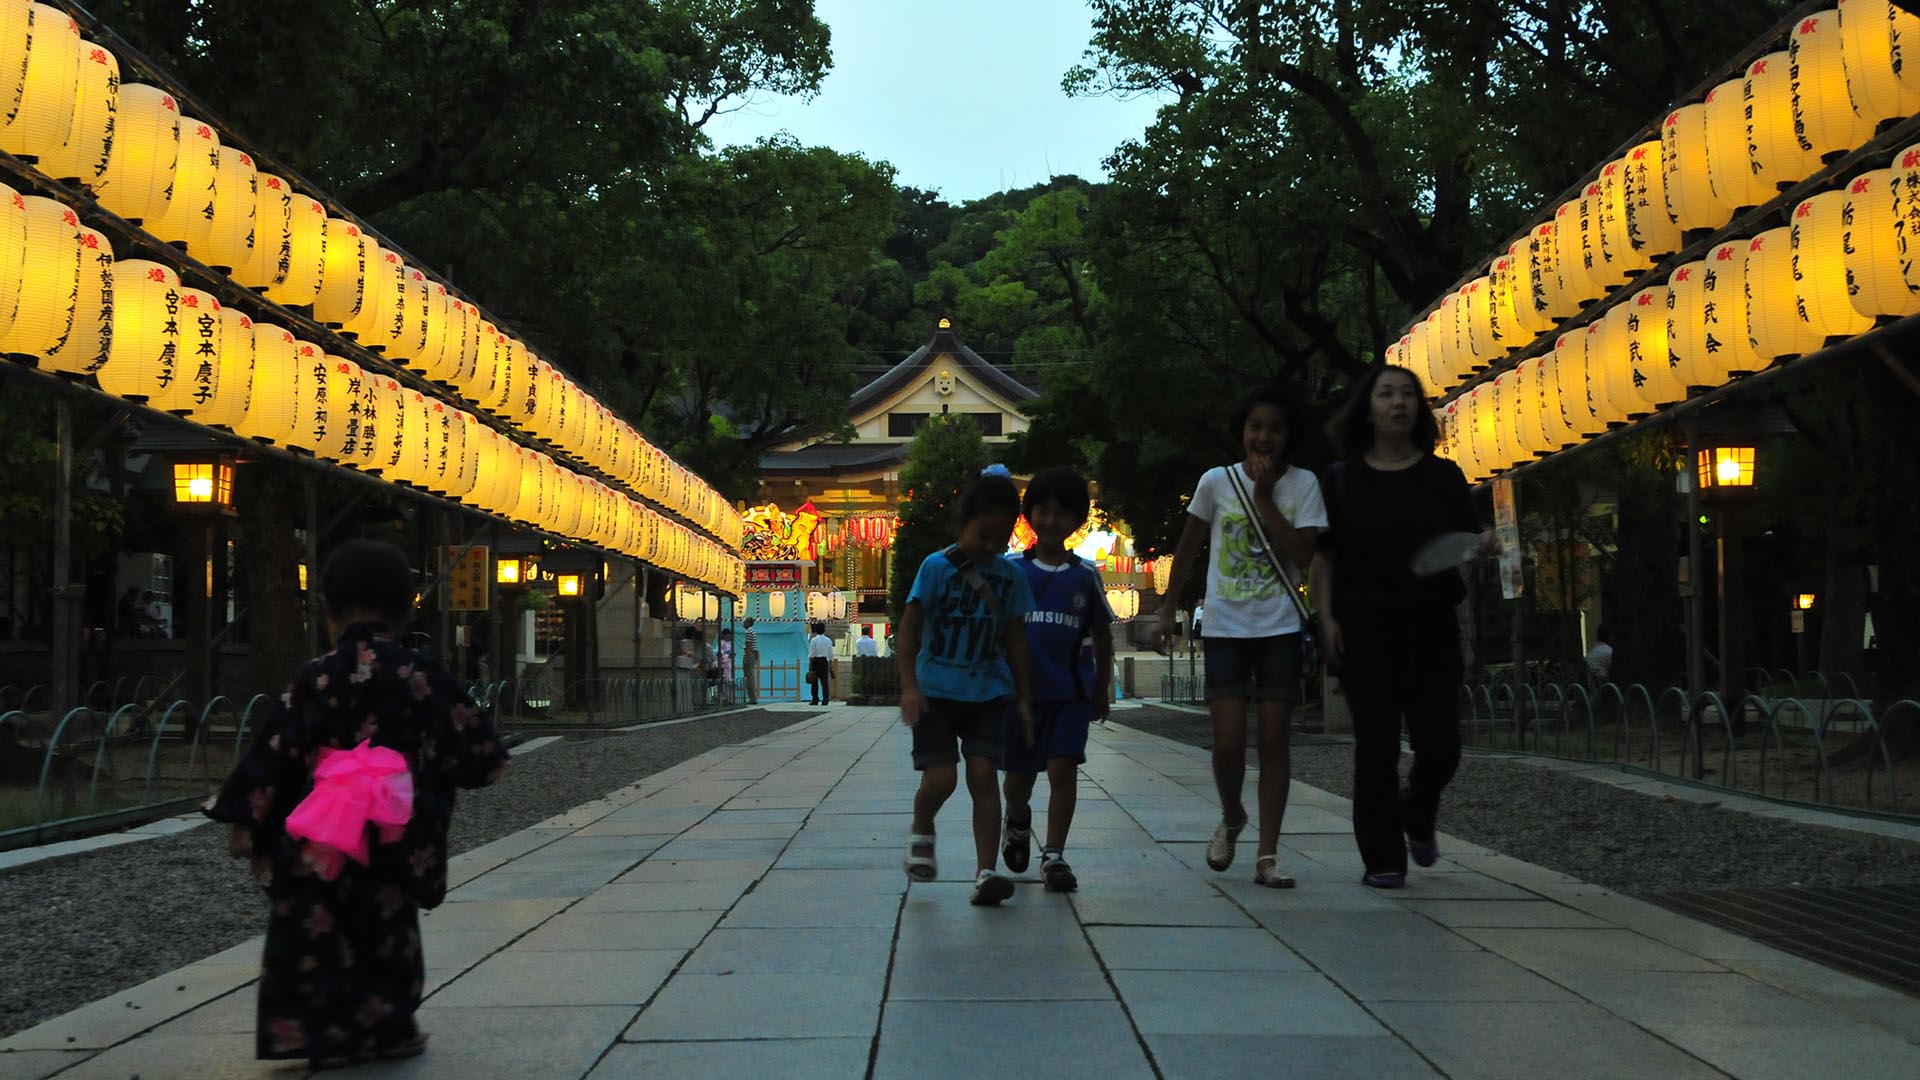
1252	630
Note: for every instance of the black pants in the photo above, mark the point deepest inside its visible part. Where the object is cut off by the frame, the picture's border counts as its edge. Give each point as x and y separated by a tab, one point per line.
822	672
1400	667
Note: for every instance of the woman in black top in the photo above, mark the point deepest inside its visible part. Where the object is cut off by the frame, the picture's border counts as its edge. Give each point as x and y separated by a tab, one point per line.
1393	635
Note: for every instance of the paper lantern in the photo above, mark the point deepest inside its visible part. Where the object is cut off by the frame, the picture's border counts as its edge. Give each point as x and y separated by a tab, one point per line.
1773	319
1773	146
1822	292
1524	405
138	181
188	218
1720	348
1873	236
1594	201
1477	317
1691	201
1687	325
49	280
41	118
14	18
1503	323
503	355
306	254
398	322
83	157
333	412
343	280
1522	283
233	386
1656	379
201	334
1650	229
1873	36
1730	161
1610	370
1555	423
1825	122
411	324
83	351
379	284
272	258
272	414
367	449
1578	285
13	252
431	355
144	361
235	199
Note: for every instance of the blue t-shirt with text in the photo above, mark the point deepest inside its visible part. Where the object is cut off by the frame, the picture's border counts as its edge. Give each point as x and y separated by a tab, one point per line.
1069	606
960	656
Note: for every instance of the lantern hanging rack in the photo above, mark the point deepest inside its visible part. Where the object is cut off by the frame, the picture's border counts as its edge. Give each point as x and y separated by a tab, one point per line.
158	76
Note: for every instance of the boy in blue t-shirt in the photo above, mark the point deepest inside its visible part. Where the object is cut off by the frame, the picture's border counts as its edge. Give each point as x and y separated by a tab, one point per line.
1070	682
962	654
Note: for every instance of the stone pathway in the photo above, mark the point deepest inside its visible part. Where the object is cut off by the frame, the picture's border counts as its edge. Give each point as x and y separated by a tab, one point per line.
744	914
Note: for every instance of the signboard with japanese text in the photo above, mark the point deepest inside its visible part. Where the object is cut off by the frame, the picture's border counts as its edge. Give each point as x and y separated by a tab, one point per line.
773	576
466	570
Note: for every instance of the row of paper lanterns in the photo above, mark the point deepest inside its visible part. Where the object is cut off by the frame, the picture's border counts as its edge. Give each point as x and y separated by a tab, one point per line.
66	302
1839	265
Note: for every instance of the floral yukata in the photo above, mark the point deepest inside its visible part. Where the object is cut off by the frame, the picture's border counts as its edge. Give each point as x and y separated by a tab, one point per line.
343	972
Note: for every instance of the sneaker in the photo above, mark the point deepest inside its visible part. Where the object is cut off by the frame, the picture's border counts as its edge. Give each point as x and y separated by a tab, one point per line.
1424	855
1055	872
1220	848
989	889
1389	879
1017	849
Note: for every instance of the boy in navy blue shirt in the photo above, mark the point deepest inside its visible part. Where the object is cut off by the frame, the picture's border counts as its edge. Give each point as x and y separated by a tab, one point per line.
962	655
1071	682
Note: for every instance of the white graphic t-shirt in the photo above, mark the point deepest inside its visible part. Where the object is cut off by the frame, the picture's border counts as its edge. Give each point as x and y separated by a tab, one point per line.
1243	596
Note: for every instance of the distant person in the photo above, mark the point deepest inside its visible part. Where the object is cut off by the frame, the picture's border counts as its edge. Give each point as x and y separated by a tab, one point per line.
866	646
819	665
153	623
726	666
957	680
1252	633
343	804
750	660
126	613
1071	683
1390	634
686	664
1600	657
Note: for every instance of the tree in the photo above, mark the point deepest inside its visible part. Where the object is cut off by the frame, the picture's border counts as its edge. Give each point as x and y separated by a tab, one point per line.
945	457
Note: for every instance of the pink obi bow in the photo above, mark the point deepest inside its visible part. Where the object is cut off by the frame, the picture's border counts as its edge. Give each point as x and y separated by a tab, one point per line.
352	789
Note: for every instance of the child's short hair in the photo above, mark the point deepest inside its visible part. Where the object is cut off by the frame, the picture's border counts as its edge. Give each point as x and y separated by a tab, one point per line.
368	576
1277	395
990	494
1061	485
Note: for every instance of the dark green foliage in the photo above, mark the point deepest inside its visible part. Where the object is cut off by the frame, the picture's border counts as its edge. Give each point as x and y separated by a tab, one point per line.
945	457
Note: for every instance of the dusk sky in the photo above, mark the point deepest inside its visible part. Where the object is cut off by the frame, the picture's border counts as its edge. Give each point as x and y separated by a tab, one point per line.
962	96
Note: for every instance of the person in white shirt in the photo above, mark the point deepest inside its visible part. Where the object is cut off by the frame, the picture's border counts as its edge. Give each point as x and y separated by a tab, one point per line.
866	646
1252	627
819	665
1600	657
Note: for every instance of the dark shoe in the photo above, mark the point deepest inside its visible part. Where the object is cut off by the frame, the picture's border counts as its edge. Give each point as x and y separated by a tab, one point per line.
989	889
1055	872
1386	880
1424	855
1017	849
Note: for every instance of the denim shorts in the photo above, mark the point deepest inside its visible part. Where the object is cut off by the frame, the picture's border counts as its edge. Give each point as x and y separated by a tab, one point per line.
973	725
1260	669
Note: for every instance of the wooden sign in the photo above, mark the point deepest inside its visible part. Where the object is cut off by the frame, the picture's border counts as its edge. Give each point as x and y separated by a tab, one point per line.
465	572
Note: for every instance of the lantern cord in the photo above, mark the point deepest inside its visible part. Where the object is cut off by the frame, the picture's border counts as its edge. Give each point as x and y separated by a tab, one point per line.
1874	340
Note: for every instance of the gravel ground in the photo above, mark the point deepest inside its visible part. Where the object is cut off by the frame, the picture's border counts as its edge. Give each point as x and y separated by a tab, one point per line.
76	929
1628	842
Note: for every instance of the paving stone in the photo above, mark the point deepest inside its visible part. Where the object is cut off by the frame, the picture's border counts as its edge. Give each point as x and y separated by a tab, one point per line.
1240	1003
1137	910
965	1040
1759	1052
673	870
1442	975
1502	913
663	896
38	1064
694	850
529	1041
1693	997
520	977
1164	948
1063	971
1318	1057
843	951
122	1015
789	1059
508	884
583	932
761	1005
510	916
1555	951
1527	1041
179	1057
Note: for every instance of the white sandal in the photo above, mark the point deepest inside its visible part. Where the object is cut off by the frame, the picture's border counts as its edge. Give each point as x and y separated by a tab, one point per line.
1267	872
919	864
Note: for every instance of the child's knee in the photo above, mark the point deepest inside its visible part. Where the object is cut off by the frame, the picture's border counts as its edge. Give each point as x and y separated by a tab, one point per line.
982	771
939	779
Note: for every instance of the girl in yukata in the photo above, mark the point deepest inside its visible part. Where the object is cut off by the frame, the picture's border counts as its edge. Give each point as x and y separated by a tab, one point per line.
343	805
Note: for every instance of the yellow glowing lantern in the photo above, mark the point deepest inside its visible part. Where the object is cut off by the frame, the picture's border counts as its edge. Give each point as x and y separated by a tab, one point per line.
188	218
1824	118
1506	419
1691	201
379	418
1726	349
343	280
498	351
1655	376
1595	200
1417	358
1476	316
335	410
189	379
272	257
1523	281
14	18
421	442
233	384
1773	146
464	367
235	201
1627	252
1503	321
203	483
49	280
1773	318
507	571
1650	229
405	329
84	350
1687	326
567	585
1724	467
1730	167
272	414
1529	429
1874	233
1821	284
138	181
378	283
1480	418
306	253
1555	421
1873	36
1610	369
430	356
41	118
1578	286
83	156
144	362
13	252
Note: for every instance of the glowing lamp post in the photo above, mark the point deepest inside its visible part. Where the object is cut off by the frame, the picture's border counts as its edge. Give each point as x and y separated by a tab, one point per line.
507	572
568	585
204	485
